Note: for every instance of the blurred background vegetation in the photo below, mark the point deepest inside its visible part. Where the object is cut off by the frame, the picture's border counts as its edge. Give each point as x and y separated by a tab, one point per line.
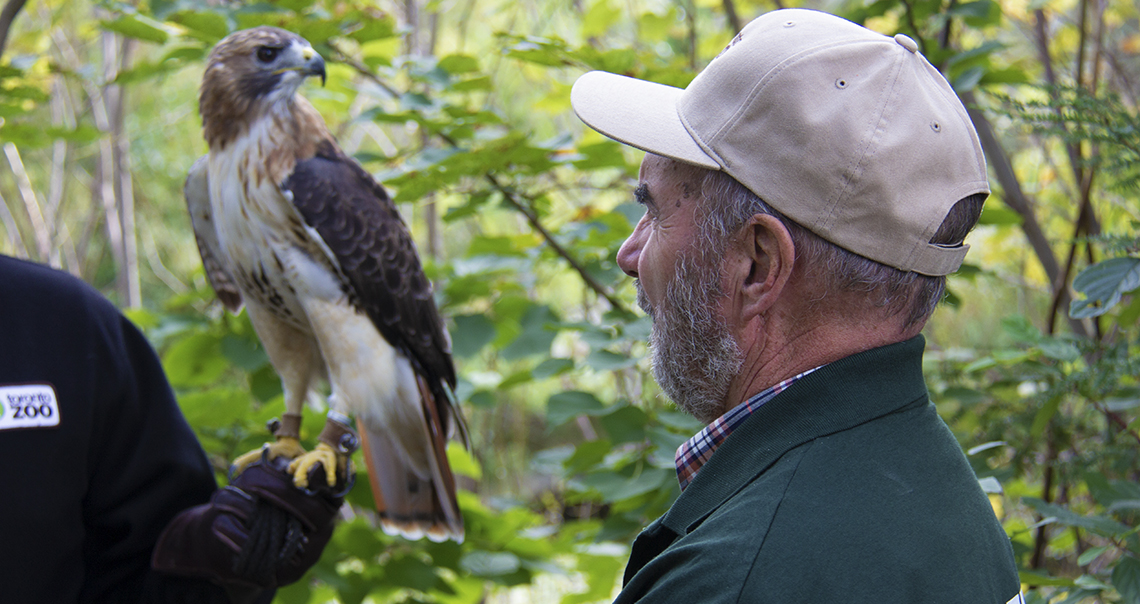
462	108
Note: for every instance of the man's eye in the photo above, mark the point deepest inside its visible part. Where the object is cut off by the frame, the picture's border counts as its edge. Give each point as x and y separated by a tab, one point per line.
266	54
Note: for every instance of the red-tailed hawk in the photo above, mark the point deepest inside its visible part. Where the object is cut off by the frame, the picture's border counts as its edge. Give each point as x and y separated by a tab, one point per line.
329	274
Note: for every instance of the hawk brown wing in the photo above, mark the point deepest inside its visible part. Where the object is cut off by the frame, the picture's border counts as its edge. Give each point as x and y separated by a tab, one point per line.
197	194
362	228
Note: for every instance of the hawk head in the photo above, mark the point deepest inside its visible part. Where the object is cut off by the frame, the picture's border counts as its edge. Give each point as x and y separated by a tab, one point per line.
249	72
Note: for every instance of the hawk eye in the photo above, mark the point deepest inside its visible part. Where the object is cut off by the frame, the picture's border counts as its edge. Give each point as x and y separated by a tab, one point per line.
266	54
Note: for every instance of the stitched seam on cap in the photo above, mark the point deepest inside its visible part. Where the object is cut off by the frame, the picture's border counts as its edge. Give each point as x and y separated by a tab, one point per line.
963	115
867	152
696	137
772	73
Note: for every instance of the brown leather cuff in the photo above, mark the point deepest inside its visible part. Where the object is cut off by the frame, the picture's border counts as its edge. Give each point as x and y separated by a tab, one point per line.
340	436
289	426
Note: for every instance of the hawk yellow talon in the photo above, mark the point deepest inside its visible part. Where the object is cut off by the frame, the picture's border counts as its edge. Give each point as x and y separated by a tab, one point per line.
286	446
323	455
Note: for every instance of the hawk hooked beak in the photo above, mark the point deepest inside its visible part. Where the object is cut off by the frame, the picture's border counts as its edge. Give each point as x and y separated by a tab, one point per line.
314	64
308	64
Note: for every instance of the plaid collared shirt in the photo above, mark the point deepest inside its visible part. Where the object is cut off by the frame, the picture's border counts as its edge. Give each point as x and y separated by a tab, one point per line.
693	453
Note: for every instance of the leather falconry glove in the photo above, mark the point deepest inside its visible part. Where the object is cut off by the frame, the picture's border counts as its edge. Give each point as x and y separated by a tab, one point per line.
259	532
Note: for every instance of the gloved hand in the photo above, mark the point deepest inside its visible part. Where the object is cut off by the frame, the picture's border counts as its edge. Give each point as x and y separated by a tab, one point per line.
260	531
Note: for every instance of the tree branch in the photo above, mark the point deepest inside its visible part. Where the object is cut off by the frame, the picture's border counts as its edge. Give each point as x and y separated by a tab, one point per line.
31	206
509	195
1017	201
512	198
12	229
733	18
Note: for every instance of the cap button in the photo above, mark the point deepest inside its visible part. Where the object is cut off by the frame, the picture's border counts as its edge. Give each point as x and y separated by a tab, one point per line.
906	42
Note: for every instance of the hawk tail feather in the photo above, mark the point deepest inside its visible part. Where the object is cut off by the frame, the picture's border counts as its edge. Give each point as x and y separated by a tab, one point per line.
410	505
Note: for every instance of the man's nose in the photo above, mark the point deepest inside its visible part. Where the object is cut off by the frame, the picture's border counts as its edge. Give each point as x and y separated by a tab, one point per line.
630	251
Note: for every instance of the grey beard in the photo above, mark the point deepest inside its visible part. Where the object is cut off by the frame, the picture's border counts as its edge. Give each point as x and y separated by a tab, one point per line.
694	356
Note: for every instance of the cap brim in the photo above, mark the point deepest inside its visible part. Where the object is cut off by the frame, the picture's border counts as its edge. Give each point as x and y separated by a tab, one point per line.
638	113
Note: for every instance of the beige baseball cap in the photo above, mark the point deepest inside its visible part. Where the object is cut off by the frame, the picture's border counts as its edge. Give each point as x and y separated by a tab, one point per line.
850	133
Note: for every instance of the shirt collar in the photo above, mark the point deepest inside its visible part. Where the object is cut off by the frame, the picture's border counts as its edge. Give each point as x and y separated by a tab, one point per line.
693	453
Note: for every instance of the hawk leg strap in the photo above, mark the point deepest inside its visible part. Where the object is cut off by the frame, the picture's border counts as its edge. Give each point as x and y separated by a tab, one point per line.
289	426
339	435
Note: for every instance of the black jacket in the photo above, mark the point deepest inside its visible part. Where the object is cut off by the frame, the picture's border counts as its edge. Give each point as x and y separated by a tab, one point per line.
82	502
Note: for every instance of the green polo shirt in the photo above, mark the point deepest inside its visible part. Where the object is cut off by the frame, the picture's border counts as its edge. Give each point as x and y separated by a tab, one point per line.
845	488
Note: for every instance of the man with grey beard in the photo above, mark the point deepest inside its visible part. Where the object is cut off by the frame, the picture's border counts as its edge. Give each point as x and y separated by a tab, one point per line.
805	197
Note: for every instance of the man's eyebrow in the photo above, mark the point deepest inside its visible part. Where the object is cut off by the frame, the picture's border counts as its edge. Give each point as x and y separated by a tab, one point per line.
641	194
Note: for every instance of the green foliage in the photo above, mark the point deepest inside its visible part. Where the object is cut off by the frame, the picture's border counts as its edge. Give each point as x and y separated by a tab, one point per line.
1104	284
573	448
1076	116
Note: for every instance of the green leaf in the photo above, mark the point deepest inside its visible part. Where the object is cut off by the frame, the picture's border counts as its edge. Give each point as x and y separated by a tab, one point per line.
599	18
471	334
968	79
606	154
535	337
476	83
1007	75
986	447
374	28
614	486
246	353
999	216
552	367
604	360
1105	527
1091	554
207	26
1059	350
625	424
411	572
1126	579
587	455
138	27
682	422
194	361
565	406
462	463
214	408
25	92
457	64
489	564
265	384
990	484
1103	284
1044	415
1035	579
601	574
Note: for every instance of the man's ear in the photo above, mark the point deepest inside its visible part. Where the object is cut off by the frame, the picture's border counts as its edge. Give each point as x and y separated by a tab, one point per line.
762	264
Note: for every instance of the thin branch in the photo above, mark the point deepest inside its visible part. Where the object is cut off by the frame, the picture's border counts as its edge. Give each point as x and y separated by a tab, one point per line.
945	35
513	199
31	205
157	267
1082	34
733	18
12	229
1015	198
1115	418
1041	540
691	21
909	12
1042	39
1061	285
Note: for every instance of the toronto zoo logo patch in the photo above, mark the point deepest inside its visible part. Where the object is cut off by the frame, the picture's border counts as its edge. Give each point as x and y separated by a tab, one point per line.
28	406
